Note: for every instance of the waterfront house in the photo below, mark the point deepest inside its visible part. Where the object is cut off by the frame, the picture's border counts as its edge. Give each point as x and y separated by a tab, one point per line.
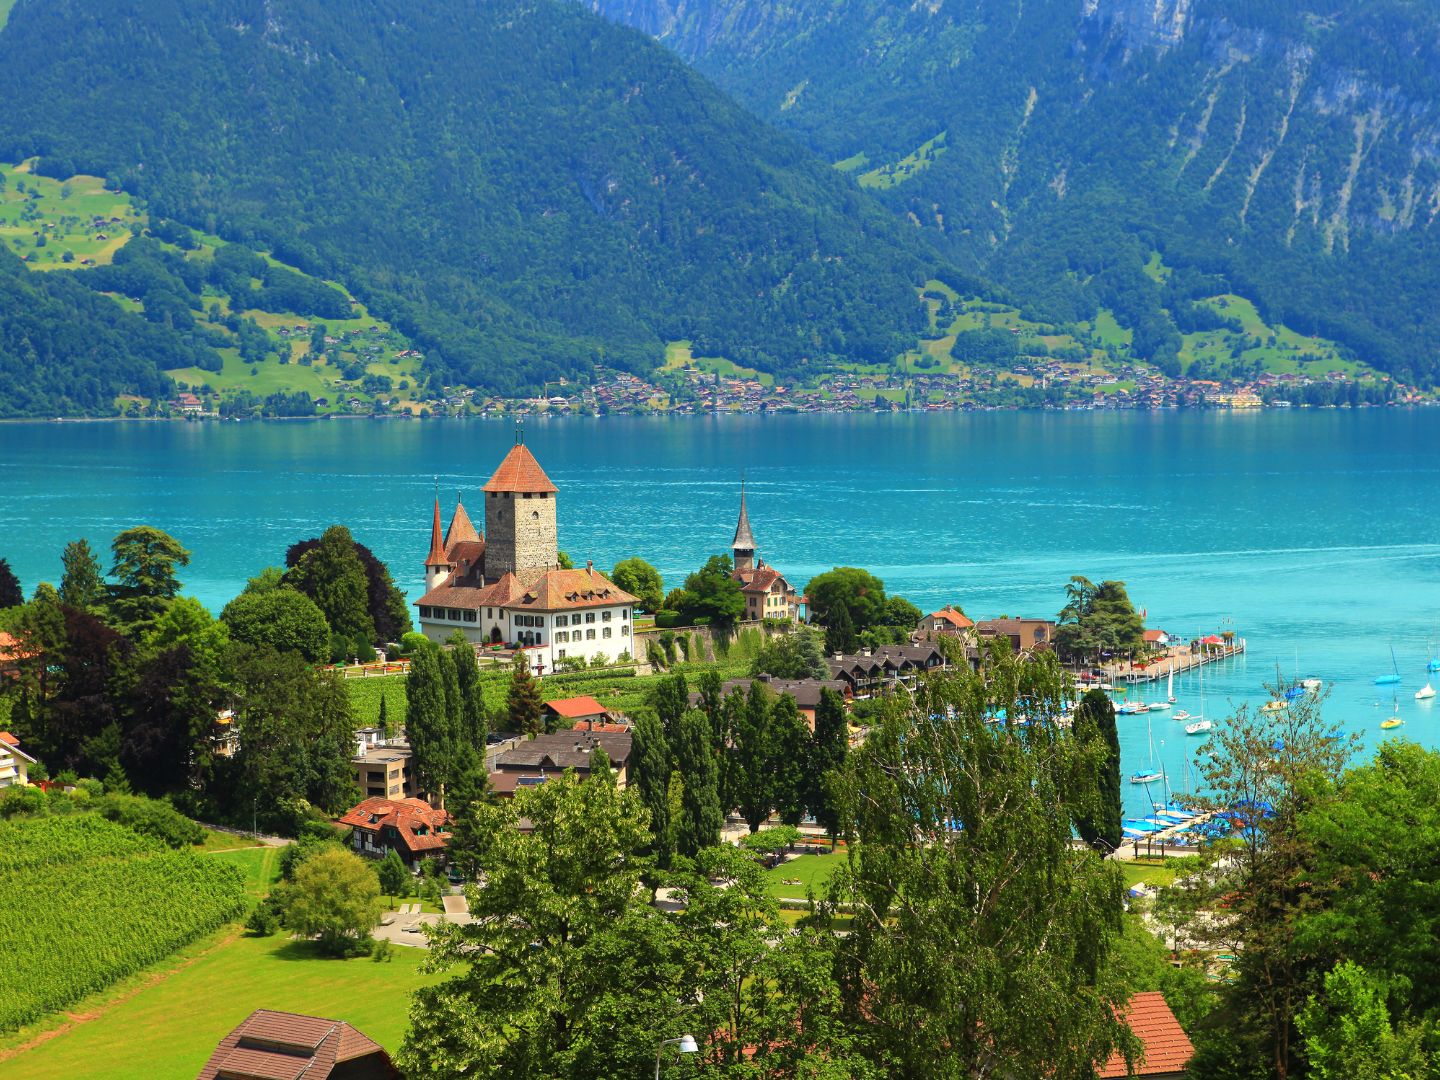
1024	635
411	827
507	586
767	594
287	1046
949	621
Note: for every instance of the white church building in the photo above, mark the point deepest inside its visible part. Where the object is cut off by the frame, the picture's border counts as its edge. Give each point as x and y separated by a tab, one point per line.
506	587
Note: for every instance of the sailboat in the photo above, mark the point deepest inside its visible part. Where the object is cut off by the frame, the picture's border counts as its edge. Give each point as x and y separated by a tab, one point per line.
1151	774
1170	686
1199	727
1425	693
1394	720
1394	677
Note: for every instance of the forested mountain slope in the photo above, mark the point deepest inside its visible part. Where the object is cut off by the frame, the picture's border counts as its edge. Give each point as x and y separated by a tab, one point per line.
68	351
1293	147
520	186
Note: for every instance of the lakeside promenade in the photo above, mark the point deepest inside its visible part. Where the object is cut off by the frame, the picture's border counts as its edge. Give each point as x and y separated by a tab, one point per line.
1177	658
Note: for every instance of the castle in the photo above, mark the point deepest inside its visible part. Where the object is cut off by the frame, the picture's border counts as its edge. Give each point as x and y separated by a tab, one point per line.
507	587
767	594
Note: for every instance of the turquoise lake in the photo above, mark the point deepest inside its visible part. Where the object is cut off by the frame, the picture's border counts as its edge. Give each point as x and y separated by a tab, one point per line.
1313	535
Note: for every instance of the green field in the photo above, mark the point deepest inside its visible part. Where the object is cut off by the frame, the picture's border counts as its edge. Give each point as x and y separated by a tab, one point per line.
62	213
1153	874
260	865
888	176
1278	349
165	1023
812	871
678	355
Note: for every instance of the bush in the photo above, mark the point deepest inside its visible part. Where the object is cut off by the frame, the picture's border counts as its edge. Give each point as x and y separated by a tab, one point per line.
410	641
151	817
665	619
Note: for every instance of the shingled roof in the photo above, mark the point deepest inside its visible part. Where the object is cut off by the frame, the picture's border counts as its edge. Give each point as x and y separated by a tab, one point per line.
419	826
561	590
270	1045
460	530
1167	1048
437	546
520	472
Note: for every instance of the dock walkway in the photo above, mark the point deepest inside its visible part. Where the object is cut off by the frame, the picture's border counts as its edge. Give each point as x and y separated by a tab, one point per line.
1180	657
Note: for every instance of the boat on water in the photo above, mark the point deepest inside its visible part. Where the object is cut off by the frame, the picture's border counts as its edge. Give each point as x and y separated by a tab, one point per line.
1393	722
1312	685
1425	693
1133	708
1394	676
1181	715
1159	706
1199	727
1151	777
1170	686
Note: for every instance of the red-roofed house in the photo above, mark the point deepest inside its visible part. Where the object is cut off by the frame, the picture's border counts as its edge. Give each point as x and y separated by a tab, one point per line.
571	710
1167	1049
411	827
271	1045
1157	638
949	620
14	762
507	586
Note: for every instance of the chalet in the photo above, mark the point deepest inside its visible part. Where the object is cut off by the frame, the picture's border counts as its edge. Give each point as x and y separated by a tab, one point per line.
411	827
534	761
1166	1048
949	621
14	762
288	1046
568	712
873	670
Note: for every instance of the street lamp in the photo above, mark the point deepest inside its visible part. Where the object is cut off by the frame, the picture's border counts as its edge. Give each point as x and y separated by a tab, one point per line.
685	1044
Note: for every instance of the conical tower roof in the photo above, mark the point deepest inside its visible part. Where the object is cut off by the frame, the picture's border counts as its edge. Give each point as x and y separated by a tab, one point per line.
460	526
744	539
437	546
520	472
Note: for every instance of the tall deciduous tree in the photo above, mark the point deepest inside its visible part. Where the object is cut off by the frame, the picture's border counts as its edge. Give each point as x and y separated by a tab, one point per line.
334	898
146	561
83	584
976	922
789	740
702	816
522	701
711	593
333	576
640	580
859	592
283	619
566	970
1095	718
796	655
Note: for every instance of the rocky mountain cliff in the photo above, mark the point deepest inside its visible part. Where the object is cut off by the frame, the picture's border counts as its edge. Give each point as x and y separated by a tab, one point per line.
1292	147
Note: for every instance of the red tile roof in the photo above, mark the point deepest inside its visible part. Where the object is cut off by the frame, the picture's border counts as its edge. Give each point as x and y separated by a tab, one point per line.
758	580
561	590
955	618
460	529
1154	635
1166	1046
6	737
271	1045
408	816
576	708
520	472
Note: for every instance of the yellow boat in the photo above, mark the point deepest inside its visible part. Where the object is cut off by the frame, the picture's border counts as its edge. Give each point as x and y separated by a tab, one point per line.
1393	722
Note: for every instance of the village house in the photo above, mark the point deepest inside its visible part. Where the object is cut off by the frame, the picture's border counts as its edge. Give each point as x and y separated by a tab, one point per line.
1024	635
506	587
534	761
287	1046
949	621
573	711
188	404
14	762
767	594
873	671
411	827
12	655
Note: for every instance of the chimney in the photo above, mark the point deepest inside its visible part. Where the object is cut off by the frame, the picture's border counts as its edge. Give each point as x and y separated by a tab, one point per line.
590	565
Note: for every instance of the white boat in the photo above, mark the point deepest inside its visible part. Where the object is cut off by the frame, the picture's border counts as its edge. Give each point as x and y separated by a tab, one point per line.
1159	706
1425	693
1181	715
1170	686
1200	727
1312	684
1146	777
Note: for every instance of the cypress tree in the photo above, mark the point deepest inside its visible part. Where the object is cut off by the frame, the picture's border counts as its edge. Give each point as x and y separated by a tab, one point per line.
653	770
701	819
83	583
427	720
472	700
1095	715
522	703
788	740
11	594
828	746
840	632
755	785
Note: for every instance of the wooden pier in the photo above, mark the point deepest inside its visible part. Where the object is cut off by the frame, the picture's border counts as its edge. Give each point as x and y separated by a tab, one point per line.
1180	658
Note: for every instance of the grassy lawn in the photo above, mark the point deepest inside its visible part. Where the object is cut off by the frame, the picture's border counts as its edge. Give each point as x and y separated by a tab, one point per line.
165	1023
260	865
1146	873
678	355
215	840
270	377
811	871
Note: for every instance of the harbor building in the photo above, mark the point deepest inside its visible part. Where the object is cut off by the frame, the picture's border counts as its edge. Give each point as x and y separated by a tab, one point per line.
507	587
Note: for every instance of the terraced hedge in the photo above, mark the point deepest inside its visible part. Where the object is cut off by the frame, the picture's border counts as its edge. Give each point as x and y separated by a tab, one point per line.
85	901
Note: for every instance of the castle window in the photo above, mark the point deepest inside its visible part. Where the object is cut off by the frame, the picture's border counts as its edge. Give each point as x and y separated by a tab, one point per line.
560	654
470	615
534	514
562	620
562	635
590	616
605	616
590	635
605	632
526	495
424	612
453	614
543	495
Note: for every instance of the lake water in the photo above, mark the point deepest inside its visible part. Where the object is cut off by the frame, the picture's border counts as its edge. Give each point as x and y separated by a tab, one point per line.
1314	535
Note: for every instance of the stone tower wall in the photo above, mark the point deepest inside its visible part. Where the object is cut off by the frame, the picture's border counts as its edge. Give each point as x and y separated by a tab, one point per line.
520	533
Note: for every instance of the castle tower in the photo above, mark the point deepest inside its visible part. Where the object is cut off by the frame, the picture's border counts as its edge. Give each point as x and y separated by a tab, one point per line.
437	568
743	546
520	531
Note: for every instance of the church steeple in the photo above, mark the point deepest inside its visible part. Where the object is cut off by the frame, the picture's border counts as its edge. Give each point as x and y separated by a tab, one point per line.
435	565
743	545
